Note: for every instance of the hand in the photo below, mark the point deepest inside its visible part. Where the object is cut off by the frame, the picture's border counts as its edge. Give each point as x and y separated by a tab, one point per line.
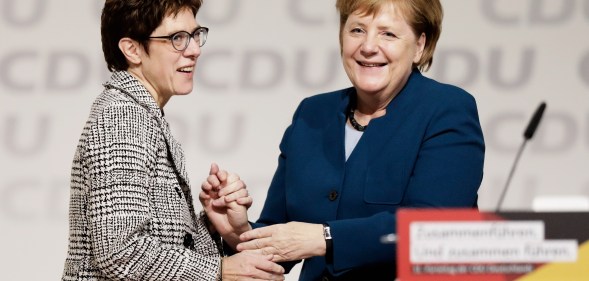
221	188
286	242
219	196
247	266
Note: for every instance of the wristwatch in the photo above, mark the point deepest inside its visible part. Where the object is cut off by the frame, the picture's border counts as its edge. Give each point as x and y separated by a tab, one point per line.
328	243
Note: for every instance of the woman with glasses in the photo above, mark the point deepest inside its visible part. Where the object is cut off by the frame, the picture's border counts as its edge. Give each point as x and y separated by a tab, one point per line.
351	158
131	211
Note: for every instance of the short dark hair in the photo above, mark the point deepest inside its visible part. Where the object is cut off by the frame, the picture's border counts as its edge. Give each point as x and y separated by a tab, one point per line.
135	19
424	16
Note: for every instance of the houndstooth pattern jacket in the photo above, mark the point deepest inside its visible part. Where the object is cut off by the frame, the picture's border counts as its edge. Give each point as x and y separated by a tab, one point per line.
131	214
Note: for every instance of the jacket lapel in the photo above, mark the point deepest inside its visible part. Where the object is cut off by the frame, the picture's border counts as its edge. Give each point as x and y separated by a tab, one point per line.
136	91
176	152
334	136
382	131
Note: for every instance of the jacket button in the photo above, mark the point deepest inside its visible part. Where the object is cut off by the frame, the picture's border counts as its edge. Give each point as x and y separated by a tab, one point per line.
325	278
332	195
188	241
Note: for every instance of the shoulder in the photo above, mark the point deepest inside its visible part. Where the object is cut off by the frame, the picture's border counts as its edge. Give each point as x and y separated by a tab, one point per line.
114	104
327	102
435	92
119	116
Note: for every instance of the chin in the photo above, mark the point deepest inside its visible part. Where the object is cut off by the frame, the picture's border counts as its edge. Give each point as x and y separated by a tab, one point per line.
187	89
183	93
370	88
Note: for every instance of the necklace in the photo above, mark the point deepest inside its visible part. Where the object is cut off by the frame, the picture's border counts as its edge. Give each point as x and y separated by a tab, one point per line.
354	123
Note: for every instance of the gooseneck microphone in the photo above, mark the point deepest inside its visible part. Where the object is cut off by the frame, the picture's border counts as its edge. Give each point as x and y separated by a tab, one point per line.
531	129
528	134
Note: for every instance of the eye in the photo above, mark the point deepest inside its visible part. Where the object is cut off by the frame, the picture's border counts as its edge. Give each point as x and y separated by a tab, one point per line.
179	38
356	30
389	34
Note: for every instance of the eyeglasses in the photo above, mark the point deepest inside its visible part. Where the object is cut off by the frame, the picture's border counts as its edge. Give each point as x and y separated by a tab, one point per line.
181	39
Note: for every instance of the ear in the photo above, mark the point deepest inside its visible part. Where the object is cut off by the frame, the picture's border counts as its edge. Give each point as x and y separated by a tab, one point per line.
131	50
420	47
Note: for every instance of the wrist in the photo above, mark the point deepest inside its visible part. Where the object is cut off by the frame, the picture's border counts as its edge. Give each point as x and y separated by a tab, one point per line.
208	224
246	227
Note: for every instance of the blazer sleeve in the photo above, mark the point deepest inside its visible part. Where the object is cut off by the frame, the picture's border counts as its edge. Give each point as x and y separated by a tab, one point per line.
449	167
119	156
447	173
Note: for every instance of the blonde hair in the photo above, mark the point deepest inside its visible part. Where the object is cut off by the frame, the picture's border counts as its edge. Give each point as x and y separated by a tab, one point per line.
423	16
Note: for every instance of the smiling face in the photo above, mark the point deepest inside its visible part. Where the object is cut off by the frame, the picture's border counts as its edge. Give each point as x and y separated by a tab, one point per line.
166	71
378	52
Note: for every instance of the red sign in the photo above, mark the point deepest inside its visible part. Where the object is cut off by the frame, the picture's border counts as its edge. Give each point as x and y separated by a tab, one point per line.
465	244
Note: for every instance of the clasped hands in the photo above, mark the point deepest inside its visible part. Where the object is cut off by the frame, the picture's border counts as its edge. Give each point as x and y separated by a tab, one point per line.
225	199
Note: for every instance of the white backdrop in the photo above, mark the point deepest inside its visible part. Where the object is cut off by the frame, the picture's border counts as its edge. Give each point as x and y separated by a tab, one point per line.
261	59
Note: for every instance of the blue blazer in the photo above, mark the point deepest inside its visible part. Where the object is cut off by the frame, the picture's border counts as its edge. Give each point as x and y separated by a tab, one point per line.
427	151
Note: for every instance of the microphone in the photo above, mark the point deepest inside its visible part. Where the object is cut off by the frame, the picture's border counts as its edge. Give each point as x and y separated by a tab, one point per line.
531	129
528	134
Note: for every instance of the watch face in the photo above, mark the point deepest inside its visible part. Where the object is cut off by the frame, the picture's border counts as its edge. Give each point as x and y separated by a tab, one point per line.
326	232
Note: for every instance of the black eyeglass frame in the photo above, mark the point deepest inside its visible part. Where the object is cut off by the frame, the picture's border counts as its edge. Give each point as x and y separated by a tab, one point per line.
204	30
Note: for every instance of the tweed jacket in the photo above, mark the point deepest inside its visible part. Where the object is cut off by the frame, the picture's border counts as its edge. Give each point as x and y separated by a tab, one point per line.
131	215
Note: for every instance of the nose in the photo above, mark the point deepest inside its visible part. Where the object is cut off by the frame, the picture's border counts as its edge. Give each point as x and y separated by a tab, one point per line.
369	45
193	49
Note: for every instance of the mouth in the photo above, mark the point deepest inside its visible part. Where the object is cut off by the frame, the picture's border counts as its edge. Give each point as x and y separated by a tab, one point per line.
367	64
186	69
